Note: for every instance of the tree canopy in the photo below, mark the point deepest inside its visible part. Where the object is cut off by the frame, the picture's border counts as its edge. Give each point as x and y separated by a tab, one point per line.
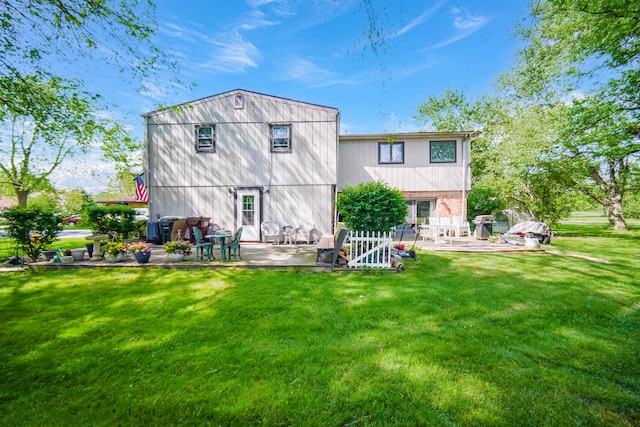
62	123
583	57
565	120
38	33
47	112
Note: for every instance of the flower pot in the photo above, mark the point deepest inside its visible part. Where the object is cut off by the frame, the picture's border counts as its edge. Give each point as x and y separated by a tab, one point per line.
112	258
67	259
177	257
78	254
48	255
142	257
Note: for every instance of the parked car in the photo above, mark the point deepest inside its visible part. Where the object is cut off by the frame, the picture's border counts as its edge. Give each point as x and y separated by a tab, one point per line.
72	220
142	214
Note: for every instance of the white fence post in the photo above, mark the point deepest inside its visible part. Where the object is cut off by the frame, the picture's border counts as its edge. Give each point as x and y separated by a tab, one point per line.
370	249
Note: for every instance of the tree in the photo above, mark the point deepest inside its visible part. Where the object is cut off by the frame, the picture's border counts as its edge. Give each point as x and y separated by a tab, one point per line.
44	132
75	201
371	206
586	55
37	33
52	115
33	229
509	157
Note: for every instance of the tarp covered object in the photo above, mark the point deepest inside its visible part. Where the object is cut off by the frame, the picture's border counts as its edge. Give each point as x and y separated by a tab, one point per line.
529	227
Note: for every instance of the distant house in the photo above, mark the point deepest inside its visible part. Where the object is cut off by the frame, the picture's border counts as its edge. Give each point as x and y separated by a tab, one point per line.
7	202
128	201
433	169
240	158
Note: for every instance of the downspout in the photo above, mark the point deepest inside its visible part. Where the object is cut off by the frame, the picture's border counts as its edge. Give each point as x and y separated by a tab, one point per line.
464	179
145	166
335	192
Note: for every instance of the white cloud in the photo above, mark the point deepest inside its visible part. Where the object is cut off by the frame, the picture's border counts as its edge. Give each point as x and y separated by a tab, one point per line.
576	95
170	29
308	72
423	17
464	24
254	20
405	72
231	54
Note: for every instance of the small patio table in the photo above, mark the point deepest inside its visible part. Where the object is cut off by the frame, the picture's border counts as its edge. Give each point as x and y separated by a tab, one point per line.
220	236
288	234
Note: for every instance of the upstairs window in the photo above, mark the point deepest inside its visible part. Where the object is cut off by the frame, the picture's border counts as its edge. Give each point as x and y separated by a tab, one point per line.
280	138
443	151
391	153
205	138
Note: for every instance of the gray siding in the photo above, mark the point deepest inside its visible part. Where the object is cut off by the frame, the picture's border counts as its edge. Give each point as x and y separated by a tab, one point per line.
359	163
188	183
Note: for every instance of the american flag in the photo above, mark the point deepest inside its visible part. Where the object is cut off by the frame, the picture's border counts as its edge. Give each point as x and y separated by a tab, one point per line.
141	191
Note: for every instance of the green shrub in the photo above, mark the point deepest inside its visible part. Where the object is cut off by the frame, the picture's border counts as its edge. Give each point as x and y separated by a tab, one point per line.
118	220
372	206
33	229
631	205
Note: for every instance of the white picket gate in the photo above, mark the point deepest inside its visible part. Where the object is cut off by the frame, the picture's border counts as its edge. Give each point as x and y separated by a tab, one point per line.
370	249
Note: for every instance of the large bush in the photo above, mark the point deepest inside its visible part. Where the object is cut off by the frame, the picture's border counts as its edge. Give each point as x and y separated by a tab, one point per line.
118	220
33	229
372	206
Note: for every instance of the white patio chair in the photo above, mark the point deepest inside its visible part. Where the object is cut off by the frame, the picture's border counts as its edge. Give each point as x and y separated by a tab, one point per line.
431	228
446	227
270	232
303	232
461	226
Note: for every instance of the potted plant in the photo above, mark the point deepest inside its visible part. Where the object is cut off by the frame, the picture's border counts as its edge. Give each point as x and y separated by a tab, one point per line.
177	250
114	251
78	254
141	251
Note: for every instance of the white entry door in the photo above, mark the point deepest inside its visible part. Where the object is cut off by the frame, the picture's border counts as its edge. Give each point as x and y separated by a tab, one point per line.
248	214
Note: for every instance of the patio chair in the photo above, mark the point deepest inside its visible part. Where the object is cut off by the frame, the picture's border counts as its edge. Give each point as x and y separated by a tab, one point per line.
445	225
270	232
303	232
233	245
445	229
329	246
461	225
202	245
433	227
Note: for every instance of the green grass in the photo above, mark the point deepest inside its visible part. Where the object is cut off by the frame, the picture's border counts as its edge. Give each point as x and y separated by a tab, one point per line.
7	247
456	339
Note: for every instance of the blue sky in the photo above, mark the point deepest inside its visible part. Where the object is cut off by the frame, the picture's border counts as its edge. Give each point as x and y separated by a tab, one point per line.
317	51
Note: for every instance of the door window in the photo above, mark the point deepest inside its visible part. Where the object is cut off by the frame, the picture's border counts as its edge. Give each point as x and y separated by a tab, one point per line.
248	210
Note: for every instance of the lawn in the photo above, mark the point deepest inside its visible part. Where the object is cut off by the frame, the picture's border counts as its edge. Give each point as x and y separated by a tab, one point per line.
543	338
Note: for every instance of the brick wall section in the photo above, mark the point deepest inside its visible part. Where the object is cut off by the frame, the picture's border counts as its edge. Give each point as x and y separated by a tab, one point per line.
448	203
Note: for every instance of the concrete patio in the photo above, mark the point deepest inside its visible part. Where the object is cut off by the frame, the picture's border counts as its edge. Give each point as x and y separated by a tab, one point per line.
260	255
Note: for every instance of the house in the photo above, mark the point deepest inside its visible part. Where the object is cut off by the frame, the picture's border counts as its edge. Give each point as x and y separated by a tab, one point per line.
433	169
127	201
240	158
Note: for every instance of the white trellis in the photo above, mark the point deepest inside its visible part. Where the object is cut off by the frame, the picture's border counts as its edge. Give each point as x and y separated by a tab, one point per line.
370	249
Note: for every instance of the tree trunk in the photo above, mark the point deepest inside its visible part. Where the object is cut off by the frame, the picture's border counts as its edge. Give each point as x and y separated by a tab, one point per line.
613	208
22	198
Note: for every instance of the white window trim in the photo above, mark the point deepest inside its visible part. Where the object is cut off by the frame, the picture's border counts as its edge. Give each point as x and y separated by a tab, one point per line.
205	148
279	148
